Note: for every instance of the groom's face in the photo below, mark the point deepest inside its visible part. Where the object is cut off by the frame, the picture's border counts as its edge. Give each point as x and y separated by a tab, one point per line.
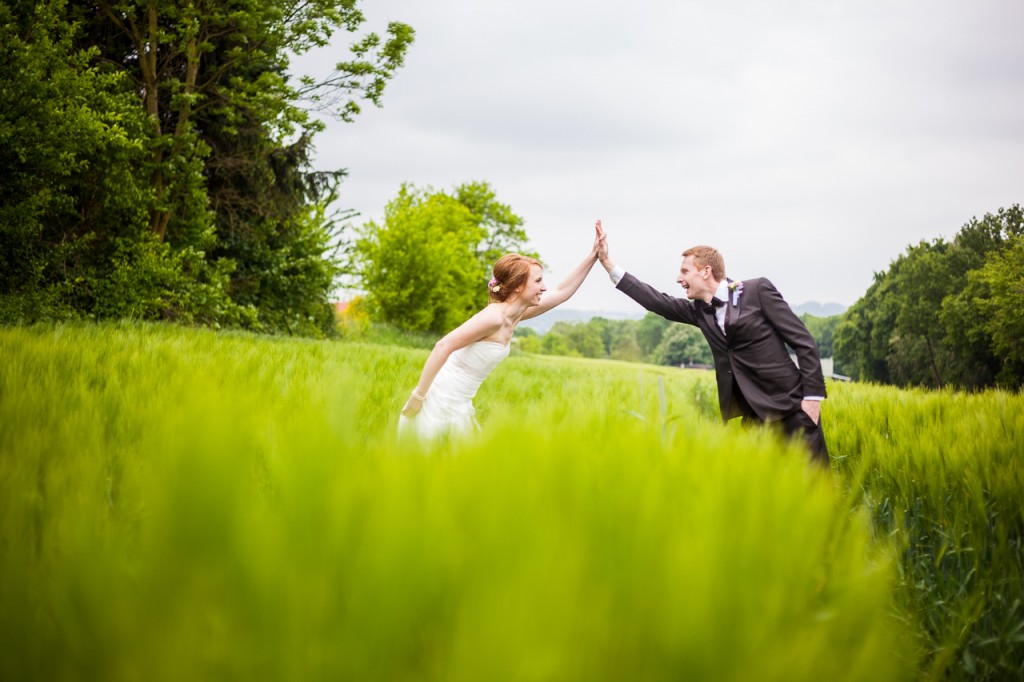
695	281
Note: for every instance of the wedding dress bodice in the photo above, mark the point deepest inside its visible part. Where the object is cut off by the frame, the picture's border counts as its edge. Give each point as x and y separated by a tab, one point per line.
449	404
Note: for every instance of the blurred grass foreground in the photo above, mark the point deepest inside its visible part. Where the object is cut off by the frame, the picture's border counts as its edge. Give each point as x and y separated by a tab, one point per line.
179	504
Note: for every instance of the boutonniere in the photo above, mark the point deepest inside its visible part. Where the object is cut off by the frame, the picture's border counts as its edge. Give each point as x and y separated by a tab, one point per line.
736	288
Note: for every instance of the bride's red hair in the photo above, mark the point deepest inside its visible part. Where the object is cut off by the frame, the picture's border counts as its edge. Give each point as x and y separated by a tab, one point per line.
510	274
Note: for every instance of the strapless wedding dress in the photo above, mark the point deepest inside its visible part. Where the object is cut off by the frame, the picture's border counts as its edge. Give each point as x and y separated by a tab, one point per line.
448	408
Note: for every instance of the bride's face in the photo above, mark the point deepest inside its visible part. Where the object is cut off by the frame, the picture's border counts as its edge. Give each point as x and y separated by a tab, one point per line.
534	287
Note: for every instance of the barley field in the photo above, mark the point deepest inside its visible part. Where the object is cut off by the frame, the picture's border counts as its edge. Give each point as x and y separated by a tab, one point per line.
183	504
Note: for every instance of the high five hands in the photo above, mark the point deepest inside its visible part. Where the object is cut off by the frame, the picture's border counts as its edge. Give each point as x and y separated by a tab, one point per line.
600	242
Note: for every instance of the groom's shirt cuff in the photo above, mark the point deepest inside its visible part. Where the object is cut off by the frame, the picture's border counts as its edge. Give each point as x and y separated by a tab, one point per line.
616	274
818	398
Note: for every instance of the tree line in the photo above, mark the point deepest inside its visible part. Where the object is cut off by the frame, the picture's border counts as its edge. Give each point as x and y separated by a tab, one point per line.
652	339
944	313
155	158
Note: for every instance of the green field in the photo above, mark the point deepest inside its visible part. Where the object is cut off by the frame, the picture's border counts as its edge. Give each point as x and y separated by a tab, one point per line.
179	504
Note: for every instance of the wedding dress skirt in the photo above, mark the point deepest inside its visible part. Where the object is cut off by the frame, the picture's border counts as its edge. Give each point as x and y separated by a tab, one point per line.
448	409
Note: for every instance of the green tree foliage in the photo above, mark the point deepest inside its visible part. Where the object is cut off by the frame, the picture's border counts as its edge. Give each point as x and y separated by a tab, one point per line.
427	265
925	276
583	339
682	344
626	348
862	337
630	340
179	184
938	315
999	313
823	330
503	229
70	140
649	332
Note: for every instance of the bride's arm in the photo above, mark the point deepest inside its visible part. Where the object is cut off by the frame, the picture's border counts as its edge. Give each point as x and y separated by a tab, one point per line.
478	327
568	286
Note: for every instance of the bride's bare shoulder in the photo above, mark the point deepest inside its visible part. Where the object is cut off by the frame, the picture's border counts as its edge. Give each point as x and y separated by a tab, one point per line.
492	312
488	320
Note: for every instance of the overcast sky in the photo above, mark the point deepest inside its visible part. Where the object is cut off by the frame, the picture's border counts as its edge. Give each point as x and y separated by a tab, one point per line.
811	141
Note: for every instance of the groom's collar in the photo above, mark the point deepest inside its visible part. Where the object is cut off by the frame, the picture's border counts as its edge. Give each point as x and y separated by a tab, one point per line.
722	293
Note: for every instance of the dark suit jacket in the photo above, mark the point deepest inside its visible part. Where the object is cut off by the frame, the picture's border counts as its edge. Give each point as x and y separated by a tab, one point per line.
753	353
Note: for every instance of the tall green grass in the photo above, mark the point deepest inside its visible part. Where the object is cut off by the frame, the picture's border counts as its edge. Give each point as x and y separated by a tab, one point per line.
943	474
179	504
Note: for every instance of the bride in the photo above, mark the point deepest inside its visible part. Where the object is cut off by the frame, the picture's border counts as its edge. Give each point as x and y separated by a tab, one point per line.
442	402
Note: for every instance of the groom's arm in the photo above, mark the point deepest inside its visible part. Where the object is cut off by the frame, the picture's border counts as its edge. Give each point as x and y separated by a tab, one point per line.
795	334
669	307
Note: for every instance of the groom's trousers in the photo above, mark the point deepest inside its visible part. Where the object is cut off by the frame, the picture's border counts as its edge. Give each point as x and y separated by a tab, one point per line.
796	424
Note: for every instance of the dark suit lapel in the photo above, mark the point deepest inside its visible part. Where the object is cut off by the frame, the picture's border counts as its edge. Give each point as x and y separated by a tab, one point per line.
713	321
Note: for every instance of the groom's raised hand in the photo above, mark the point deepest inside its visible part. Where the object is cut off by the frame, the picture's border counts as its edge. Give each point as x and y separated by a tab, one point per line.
599	237
602	251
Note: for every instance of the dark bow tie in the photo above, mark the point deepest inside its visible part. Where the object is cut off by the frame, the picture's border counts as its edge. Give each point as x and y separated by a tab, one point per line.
714	305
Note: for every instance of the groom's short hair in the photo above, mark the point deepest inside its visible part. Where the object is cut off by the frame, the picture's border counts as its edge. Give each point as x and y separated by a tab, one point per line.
707	255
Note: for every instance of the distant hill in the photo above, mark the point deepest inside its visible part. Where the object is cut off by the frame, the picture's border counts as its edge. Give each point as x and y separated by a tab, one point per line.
820	309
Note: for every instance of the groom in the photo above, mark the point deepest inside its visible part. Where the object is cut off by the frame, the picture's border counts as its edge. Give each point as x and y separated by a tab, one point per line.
748	326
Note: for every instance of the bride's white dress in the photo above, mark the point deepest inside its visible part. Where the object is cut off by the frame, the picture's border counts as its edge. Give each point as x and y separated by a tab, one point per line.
448	408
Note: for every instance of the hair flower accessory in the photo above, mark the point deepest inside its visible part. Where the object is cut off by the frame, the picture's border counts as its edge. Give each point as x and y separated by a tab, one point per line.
494	286
736	288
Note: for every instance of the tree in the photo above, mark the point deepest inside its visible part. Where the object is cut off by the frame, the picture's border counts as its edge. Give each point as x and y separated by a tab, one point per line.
683	344
969	332
424	268
1003	312
194	59
862	336
215	139
626	347
999	285
419	269
918	322
584	338
528	340
649	332
925	278
70	139
503	229
604	331
823	331
557	344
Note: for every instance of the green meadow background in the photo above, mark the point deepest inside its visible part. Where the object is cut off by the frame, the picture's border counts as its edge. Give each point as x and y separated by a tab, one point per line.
182	504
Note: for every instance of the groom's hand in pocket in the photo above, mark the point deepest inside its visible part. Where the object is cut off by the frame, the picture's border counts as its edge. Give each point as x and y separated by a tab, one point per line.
812	408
